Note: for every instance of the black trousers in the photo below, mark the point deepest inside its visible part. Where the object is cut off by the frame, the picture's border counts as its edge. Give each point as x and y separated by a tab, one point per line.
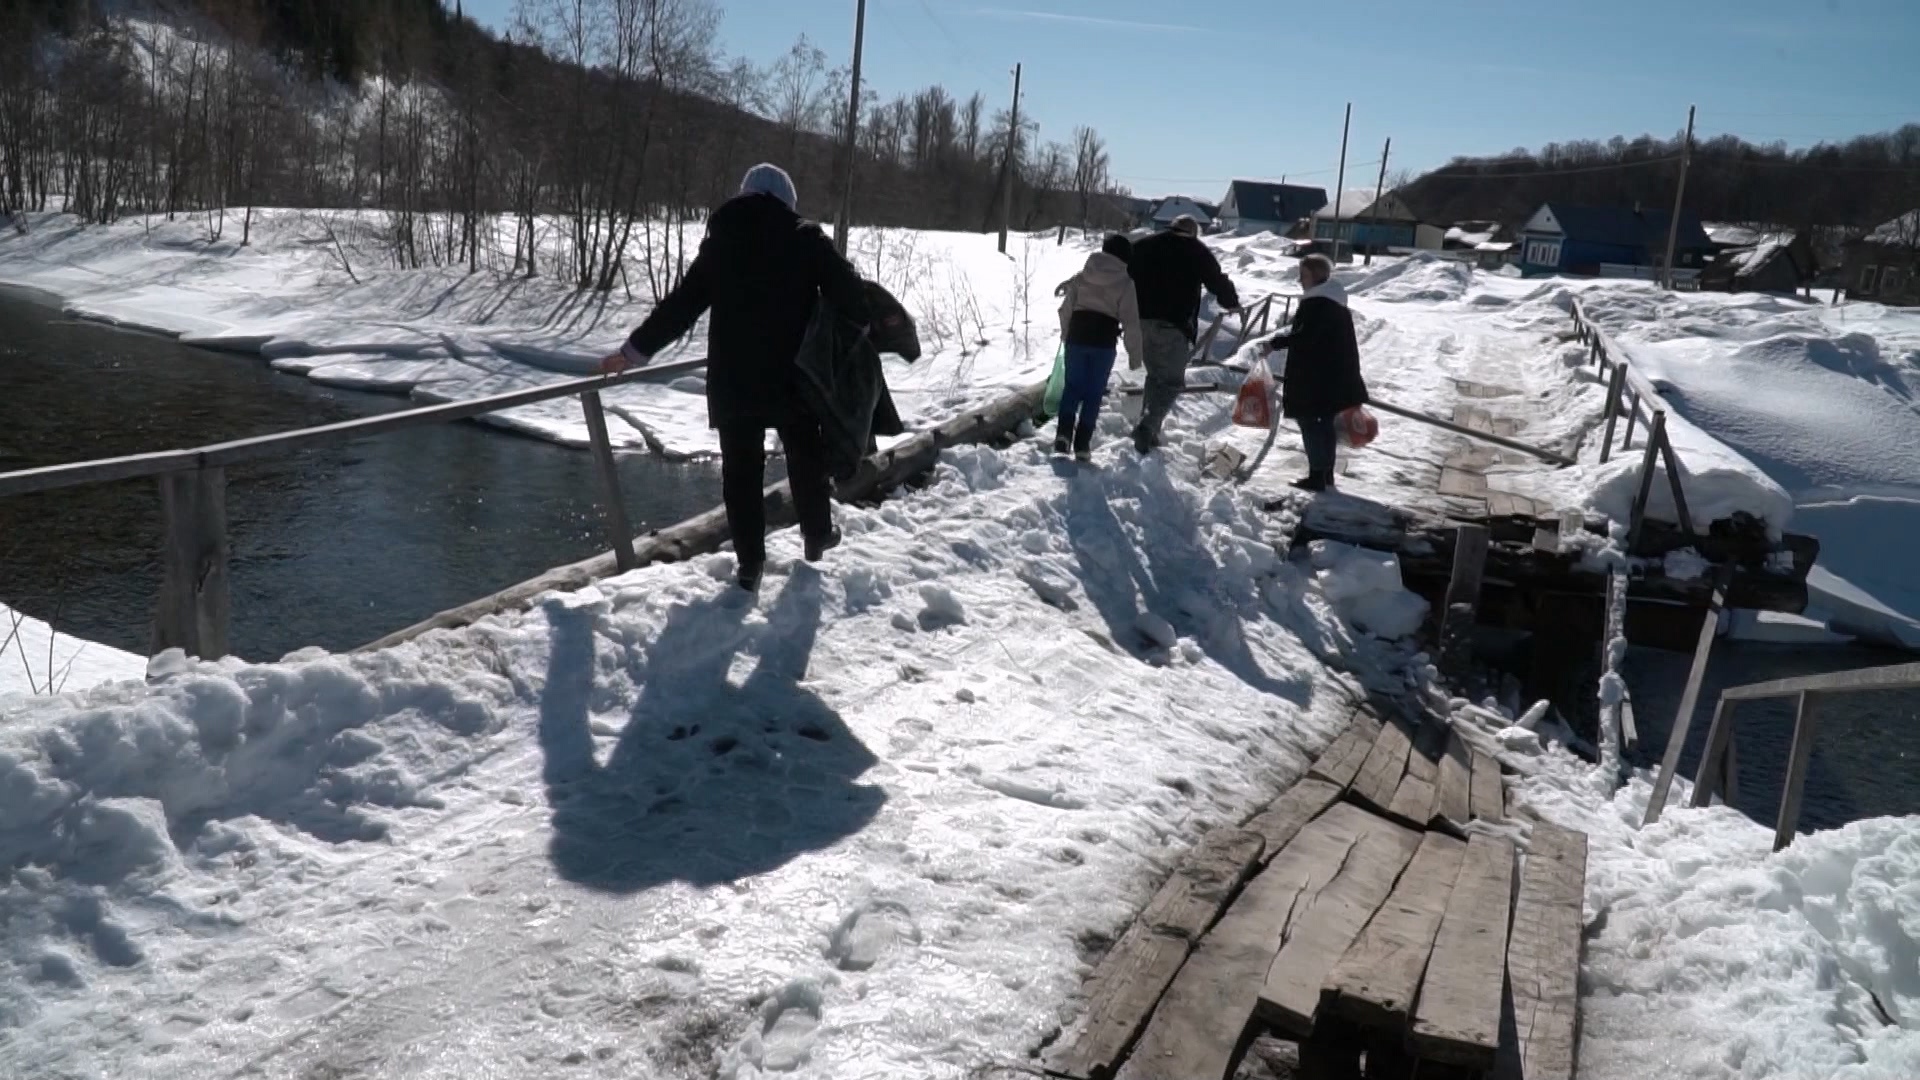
743	480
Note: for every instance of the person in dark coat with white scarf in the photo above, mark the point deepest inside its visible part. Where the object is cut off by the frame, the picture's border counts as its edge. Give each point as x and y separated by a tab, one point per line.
1322	377
761	269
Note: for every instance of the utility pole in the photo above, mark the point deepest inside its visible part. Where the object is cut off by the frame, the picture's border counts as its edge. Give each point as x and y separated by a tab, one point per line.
1006	166
1379	186
842	220
1340	184
1679	195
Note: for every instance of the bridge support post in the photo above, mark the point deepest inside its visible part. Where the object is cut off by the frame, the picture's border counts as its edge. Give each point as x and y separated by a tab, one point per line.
192	610
612	503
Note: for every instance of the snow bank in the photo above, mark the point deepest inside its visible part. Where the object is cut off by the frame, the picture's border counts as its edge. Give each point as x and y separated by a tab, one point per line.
1419	277
1709	955
34	659
1366	588
880	820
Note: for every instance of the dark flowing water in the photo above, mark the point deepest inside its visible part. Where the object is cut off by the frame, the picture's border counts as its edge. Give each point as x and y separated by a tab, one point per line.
1866	750
332	547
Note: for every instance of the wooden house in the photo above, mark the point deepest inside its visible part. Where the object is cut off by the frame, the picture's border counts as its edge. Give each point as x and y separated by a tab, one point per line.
1608	241
1252	207
1884	265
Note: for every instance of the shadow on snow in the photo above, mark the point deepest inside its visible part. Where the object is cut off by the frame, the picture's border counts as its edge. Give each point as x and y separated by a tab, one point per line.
710	782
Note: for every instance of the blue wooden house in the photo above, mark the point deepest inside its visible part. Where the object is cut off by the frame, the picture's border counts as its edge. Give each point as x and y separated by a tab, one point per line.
1252	207
1596	241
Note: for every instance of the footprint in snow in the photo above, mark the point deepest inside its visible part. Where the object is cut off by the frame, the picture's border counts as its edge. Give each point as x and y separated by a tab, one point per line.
869	932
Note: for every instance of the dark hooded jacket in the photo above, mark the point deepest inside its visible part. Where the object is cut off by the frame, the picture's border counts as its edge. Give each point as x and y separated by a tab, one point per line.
1169	269
762	270
1323	357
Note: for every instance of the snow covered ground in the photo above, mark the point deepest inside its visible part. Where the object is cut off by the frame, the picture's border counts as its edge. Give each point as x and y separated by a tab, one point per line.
878	822
36	660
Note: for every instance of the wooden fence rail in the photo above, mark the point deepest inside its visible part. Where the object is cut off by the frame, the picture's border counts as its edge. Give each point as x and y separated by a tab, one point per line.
192	608
1715	773
1629	393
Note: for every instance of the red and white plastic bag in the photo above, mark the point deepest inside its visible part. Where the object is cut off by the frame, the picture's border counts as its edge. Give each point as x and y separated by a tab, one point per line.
1356	427
1254	406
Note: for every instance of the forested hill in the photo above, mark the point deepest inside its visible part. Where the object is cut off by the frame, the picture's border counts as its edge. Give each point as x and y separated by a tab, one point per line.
1855	184
610	113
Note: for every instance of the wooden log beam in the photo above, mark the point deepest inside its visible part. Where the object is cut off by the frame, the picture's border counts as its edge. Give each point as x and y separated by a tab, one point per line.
1453	803
1683	715
1425	546
1797	758
1386	763
1463	598
1487	793
612	503
705	532
1342	760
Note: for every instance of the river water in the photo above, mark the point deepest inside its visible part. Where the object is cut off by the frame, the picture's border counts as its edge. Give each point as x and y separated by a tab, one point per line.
332	547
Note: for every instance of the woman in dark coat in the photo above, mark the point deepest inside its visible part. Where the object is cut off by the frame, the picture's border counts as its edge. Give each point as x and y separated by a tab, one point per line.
760	269
1323	368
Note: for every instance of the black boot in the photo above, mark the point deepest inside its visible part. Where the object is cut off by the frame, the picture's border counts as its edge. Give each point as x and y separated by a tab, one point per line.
1063	436
1313	481
820	545
748	575
1083	446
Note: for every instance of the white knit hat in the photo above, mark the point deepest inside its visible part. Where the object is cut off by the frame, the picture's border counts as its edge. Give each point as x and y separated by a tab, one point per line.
765	179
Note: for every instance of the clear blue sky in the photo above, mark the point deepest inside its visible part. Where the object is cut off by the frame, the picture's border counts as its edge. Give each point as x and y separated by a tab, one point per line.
1189	95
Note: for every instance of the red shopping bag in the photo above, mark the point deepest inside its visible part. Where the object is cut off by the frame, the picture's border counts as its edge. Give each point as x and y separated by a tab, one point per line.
1356	427
1254	406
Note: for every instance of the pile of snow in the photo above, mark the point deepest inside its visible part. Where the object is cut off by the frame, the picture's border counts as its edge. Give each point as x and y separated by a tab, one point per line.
1422	276
1366	588
1707	954
36	659
879	821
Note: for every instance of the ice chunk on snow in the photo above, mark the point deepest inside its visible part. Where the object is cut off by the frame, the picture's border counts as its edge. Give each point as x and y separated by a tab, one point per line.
1366	588
1156	629
1685	564
942	607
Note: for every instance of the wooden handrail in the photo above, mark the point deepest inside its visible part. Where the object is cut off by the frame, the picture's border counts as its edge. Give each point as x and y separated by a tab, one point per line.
1622	379
220	455
1716	772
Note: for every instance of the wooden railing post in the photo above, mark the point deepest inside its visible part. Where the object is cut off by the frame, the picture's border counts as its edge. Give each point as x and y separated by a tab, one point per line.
1633	415
1648	460
1690	696
1797	758
1614	387
1463	598
1673	478
619	532
191	612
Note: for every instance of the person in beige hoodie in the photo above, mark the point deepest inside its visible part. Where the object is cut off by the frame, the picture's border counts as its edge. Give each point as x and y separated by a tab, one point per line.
1098	306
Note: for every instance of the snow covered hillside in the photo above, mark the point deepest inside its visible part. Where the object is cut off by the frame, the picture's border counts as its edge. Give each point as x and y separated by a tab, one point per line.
36	660
314	295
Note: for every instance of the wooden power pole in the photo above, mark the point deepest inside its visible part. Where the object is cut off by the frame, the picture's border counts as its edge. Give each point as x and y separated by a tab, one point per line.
843	219
1379	186
1340	184
1679	196
1006	167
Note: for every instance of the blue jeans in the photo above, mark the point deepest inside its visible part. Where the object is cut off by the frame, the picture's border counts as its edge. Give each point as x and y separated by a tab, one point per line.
1088	368
1322	440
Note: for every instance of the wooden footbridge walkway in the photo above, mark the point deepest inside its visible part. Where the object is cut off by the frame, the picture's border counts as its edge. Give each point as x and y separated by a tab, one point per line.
1363	916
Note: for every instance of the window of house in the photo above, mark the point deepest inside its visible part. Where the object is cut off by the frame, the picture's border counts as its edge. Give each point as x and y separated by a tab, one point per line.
1891	278
1868	275
1543	252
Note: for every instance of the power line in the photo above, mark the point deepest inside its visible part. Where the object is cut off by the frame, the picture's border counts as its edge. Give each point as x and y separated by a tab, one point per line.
1289	174
1550	172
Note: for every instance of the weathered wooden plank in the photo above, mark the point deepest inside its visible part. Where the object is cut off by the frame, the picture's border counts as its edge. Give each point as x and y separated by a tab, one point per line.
1457	1019
1462	484
1318	938
1342	760
1543	955
191	611
1374	984
1412	803
1486	795
1452	801
1202	1025
1386	762
1683	714
1508	426
1473	417
1131	978
1283	819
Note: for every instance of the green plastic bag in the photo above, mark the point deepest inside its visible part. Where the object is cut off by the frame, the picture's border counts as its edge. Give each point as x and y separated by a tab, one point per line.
1056	382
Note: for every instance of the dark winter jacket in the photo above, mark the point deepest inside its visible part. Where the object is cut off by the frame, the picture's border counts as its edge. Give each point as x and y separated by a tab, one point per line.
1323	359
761	270
1169	269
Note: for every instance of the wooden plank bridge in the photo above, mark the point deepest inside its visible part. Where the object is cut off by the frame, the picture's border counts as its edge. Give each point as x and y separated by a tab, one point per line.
1362	916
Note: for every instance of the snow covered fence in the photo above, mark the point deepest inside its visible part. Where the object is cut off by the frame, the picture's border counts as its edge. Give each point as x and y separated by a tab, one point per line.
1622	381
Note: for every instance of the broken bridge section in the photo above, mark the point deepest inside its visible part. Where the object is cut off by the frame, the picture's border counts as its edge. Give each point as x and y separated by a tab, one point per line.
1363	917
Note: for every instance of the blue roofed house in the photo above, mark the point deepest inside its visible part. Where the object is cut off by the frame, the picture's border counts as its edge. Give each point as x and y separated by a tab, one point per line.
1610	241
1362	222
1253	207
1176	206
